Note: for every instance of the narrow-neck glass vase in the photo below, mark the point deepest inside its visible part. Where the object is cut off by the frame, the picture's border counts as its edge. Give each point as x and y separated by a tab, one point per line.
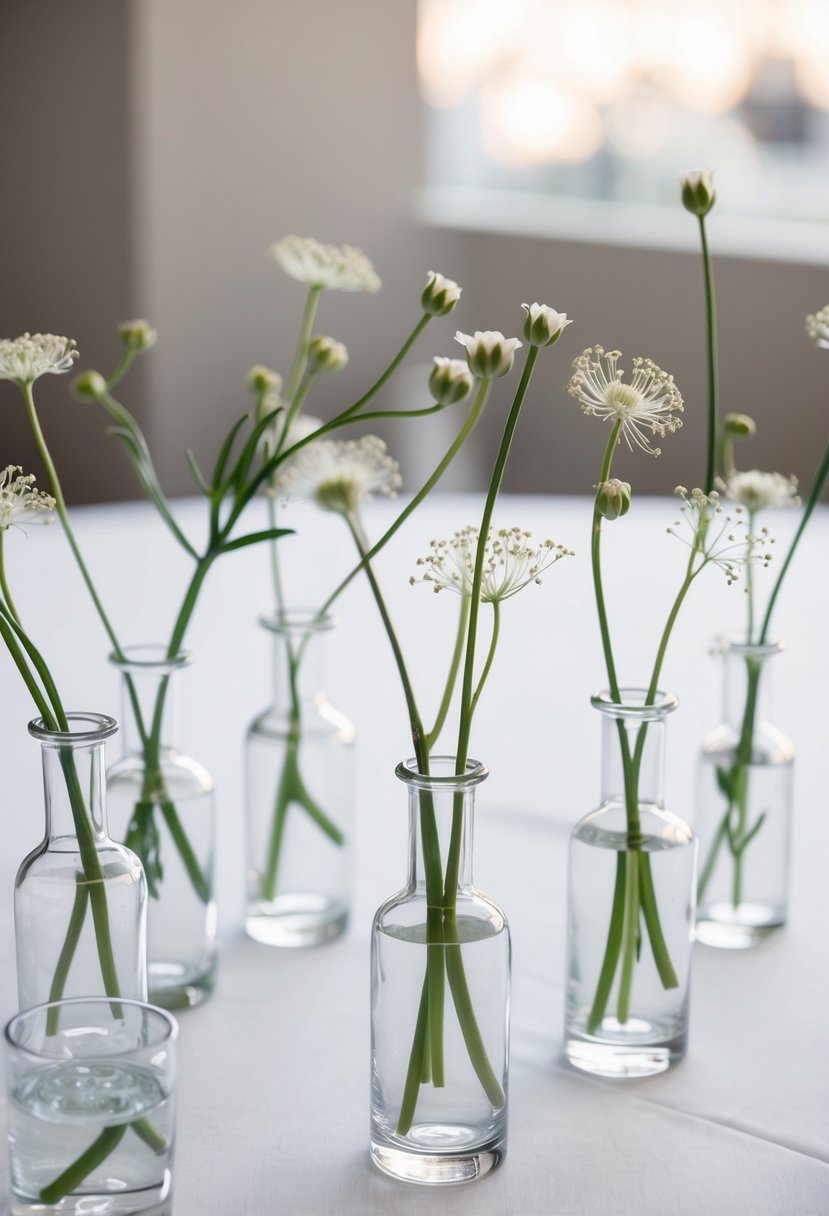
632	880
440	990
743	807
300	795
162	806
80	899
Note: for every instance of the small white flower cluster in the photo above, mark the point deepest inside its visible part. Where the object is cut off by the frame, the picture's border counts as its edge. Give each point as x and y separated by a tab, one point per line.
510	563
20	502
817	327
649	402
325	267
25	358
338	475
728	544
756	490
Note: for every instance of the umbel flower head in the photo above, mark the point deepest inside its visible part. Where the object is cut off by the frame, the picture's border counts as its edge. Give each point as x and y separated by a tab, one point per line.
440	295
20	502
338	475
25	358
450	380
717	537
817	327
543	325
755	490
488	353
649	403
137	335
326	267
698	193
511	563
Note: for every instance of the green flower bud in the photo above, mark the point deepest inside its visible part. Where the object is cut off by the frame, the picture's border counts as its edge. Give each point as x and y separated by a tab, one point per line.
739	426
488	352
542	325
261	379
326	355
137	335
698	194
440	295
613	498
89	386
449	381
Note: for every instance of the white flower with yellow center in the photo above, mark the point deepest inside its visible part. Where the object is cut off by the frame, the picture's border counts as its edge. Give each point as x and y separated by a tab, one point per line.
648	403
25	358
339	475
817	327
511	563
716	537
325	267
20	502
756	490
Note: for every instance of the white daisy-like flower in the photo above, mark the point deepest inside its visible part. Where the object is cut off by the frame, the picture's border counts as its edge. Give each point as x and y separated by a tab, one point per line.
511	563
648	403
817	327
756	490
721	539
25	358
327	267
20	502
339	475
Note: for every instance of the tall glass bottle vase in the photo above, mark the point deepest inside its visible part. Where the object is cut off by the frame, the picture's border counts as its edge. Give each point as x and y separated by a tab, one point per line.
80	899
162	806
440	989
631	904
300	794
743	807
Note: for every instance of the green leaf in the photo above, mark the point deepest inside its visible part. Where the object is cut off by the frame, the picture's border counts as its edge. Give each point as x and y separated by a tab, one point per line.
240	470
198	476
253	538
749	836
224	453
145	841
725	781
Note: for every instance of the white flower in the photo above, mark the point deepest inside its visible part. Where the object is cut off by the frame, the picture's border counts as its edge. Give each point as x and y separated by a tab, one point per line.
440	295
510	563
450	380
649	402
719	538
20	502
338	475
137	335
698	193
31	355
333	267
326	354
261	379
488	352
817	327
543	325
301	427
755	490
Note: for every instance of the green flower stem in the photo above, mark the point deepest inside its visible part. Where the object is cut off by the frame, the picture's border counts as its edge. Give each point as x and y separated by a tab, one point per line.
711	335
67	953
123	367
466	1014
630	932
304	341
199	880
94	1156
596	562
416	1069
493	645
612	948
390	370
454	667
4	586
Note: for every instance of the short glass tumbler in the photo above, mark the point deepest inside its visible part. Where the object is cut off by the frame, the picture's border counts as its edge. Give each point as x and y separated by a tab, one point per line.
91	1086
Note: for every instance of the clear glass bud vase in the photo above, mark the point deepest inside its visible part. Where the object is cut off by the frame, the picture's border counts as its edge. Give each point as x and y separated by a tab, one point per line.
80	899
630	926
440	989
743	807
300	795
162	806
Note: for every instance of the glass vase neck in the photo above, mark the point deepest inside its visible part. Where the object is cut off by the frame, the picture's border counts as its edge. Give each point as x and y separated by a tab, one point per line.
150	701
298	657
74	776
441	820
746	676
633	745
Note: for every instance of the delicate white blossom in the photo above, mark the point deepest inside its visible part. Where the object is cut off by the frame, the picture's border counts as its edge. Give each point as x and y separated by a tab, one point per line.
20	502
648	403
326	354
511	563
613	498
698	193
332	267
450	380
817	327
137	335
721	539
739	426
338	475
756	490
440	295
300	428
488	352
543	325
31	355
261	379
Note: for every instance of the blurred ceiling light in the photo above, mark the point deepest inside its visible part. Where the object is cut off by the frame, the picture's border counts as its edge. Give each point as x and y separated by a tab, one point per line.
711	69
640	126
528	120
460	41
588	46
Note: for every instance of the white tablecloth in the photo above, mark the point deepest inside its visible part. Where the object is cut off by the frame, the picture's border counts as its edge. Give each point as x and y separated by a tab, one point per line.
273	1085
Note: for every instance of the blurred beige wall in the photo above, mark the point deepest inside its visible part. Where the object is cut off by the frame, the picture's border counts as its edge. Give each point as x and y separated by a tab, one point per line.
160	146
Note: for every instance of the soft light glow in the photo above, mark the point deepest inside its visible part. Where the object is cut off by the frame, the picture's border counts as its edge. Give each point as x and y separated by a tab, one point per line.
460	41
526	120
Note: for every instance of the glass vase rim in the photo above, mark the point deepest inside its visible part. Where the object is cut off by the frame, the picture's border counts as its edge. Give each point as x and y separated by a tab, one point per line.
731	642
298	620
632	704
408	772
170	1023
99	728
150	657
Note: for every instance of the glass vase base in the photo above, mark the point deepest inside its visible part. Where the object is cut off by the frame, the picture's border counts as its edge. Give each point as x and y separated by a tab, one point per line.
729	928
297	920
173	985
149	1201
434	1167
641	1056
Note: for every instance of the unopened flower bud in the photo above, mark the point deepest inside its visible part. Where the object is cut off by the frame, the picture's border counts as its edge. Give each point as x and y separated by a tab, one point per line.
739	426
89	386
613	498
268	403
698	194
137	335
440	295
326	355
542	325
488	352
261	379
450	380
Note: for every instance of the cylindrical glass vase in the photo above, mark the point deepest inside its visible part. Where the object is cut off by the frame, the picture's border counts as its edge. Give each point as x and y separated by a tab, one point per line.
440	988
300	795
743	807
632	879
80	899
162	806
